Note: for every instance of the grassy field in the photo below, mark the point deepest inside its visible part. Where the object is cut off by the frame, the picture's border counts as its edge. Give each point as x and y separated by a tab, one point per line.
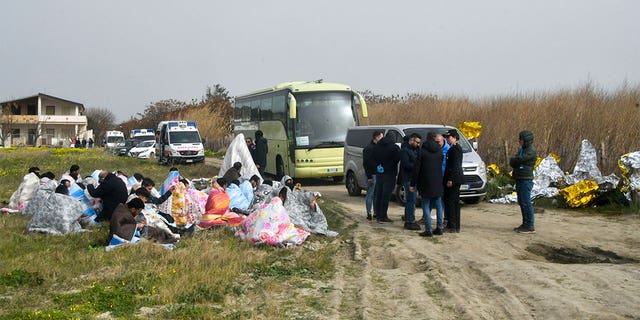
211	275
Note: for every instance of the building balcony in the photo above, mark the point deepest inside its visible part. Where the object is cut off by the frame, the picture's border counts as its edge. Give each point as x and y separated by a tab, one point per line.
31	119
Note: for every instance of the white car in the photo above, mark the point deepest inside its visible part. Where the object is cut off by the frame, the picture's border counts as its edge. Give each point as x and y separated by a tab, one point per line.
144	150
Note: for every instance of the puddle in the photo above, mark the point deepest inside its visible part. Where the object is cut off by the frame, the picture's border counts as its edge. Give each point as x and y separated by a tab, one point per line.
580	255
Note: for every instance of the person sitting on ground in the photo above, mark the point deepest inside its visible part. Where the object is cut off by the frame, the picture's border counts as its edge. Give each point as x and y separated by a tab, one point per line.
111	190
255	181
234	172
148	184
63	187
124	224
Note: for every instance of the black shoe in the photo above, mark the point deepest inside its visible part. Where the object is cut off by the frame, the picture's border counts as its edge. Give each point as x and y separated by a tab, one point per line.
450	230
385	220
402	217
369	217
437	232
411	226
518	228
421	221
526	230
426	234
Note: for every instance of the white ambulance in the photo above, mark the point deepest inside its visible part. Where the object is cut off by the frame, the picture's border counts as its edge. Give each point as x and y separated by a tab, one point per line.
113	139
179	142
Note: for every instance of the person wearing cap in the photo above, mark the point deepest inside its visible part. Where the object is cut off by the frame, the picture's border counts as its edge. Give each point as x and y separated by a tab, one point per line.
453	178
522	164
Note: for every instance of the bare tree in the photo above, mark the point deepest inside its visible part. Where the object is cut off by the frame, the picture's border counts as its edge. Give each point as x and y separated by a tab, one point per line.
100	120
6	123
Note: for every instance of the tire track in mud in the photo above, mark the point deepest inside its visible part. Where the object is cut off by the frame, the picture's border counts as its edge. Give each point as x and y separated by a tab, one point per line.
399	275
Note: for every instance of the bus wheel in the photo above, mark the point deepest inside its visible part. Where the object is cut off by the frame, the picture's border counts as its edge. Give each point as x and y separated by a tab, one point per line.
352	185
279	168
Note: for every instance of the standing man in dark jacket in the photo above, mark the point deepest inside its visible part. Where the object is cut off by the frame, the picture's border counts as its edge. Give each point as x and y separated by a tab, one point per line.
387	155
369	165
453	178
522	164
261	152
408	155
111	190
427	177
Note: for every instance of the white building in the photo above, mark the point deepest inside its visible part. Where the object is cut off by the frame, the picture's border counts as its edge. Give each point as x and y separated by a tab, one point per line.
42	120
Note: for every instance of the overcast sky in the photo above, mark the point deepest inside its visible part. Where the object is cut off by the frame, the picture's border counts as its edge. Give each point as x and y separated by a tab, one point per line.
123	55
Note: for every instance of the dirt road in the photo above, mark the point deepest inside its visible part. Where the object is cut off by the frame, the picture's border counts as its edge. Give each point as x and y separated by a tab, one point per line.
575	267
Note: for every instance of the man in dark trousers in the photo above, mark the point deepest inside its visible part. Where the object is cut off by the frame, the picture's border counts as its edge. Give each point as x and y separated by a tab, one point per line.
408	154
369	165
261	152
522	164
111	190
387	155
427	178
453	178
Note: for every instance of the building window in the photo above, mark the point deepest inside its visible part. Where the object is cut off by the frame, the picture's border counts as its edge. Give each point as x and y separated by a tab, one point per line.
15	133
51	110
32	109
50	132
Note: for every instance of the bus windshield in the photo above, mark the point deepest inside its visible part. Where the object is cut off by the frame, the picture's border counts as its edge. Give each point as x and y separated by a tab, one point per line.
323	118
184	137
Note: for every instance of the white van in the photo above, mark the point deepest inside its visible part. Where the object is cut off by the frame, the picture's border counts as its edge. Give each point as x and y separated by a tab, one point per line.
179	142
113	139
472	190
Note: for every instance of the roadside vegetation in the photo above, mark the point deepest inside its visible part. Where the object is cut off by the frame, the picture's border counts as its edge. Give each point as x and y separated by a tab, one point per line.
211	275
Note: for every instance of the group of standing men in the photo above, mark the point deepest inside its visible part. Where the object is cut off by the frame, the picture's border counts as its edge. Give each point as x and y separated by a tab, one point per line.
434	170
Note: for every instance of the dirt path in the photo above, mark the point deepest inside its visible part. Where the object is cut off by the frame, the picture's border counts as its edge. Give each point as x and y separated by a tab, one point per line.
575	267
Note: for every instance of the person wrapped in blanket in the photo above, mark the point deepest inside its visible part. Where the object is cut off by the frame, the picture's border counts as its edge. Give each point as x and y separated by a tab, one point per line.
270	224
125	223
217	211
303	208
152	216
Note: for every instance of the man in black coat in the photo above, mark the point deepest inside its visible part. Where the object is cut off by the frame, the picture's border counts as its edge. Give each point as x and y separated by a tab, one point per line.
111	190
387	155
453	178
408	155
369	164
262	148
427	178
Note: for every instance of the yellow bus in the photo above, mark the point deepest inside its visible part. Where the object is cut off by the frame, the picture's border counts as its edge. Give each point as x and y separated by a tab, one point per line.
305	124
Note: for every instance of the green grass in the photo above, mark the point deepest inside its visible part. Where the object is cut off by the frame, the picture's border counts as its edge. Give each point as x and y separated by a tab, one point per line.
211	275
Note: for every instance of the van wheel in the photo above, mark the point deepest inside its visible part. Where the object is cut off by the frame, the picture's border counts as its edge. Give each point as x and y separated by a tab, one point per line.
352	185
279	168
401	195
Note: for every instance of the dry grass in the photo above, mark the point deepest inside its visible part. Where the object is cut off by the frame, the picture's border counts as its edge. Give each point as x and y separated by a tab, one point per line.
560	120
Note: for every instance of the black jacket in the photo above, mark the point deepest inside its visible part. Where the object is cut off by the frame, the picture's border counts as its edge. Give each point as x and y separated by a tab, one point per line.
453	168
408	156
427	173
524	161
112	191
368	162
261	152
387	154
